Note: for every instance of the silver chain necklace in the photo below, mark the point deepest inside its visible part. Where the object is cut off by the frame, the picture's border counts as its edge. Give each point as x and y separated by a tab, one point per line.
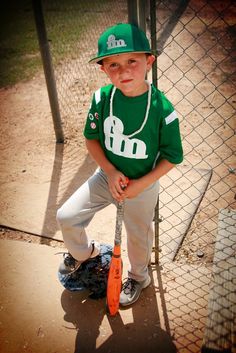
146	113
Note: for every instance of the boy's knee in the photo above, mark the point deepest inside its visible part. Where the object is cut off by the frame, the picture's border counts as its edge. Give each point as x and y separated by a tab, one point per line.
59	215
62	216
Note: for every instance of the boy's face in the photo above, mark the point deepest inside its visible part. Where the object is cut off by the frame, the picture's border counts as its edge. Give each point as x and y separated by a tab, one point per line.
128	72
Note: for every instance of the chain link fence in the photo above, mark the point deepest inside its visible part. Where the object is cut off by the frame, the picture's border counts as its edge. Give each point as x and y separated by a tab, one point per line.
196	71
73	27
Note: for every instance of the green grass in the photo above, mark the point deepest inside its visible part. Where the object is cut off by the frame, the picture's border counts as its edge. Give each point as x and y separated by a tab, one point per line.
20	57
19	51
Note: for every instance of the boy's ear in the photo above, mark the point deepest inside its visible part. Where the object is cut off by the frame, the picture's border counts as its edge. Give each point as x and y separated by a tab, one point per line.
150	61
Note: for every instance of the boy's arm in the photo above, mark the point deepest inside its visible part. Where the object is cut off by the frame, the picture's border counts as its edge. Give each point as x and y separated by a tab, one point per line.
136	186
114	176
161	169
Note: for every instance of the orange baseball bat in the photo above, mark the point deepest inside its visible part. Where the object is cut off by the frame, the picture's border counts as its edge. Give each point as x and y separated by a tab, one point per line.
115	271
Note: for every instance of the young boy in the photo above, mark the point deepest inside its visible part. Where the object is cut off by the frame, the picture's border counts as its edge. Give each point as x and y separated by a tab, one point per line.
132	131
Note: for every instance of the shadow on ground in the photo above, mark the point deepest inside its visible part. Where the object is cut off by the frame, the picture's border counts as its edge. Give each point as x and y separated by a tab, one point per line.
136	328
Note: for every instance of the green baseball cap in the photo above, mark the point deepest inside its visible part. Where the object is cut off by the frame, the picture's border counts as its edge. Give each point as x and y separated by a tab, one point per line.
119	39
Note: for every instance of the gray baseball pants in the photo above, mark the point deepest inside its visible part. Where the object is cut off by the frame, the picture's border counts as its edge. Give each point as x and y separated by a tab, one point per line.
94	195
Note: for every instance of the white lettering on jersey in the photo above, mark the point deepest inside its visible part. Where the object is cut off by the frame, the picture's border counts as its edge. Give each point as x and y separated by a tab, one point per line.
120	144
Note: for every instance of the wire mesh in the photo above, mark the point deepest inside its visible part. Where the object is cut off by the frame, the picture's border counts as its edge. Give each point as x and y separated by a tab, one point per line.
73	27
196	71
196	54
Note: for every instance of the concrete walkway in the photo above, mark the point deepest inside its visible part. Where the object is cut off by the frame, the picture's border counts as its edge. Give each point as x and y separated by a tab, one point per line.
38	316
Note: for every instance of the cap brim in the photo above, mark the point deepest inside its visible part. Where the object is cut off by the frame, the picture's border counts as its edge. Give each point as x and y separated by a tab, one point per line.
100	58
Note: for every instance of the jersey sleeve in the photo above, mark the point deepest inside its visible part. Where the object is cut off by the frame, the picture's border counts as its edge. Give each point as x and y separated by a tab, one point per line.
170	138
91	129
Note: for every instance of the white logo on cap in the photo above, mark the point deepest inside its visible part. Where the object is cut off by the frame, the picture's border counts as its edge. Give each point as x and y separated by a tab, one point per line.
112	42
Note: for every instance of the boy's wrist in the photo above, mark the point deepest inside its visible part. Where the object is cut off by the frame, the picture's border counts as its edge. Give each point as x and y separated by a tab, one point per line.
109	168
146	181
155	174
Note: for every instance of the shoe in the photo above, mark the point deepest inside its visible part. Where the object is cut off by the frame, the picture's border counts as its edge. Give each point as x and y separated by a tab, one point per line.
70	264
131	290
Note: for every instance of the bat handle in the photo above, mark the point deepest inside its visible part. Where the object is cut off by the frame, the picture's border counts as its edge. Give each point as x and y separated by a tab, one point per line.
120	216
119	219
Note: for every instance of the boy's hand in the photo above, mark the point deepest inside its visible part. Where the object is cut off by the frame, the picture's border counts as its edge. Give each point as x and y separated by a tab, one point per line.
134	188
117	183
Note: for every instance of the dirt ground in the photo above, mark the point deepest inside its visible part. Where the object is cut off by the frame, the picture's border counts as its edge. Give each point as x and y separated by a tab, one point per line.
30	161
26	122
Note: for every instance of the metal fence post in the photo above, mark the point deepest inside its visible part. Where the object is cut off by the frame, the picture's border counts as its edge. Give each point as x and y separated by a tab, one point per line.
132	11
142	14
48	69
137	15
153	39
154	81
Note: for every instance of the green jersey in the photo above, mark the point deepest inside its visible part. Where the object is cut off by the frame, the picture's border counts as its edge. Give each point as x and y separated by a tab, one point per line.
135	132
